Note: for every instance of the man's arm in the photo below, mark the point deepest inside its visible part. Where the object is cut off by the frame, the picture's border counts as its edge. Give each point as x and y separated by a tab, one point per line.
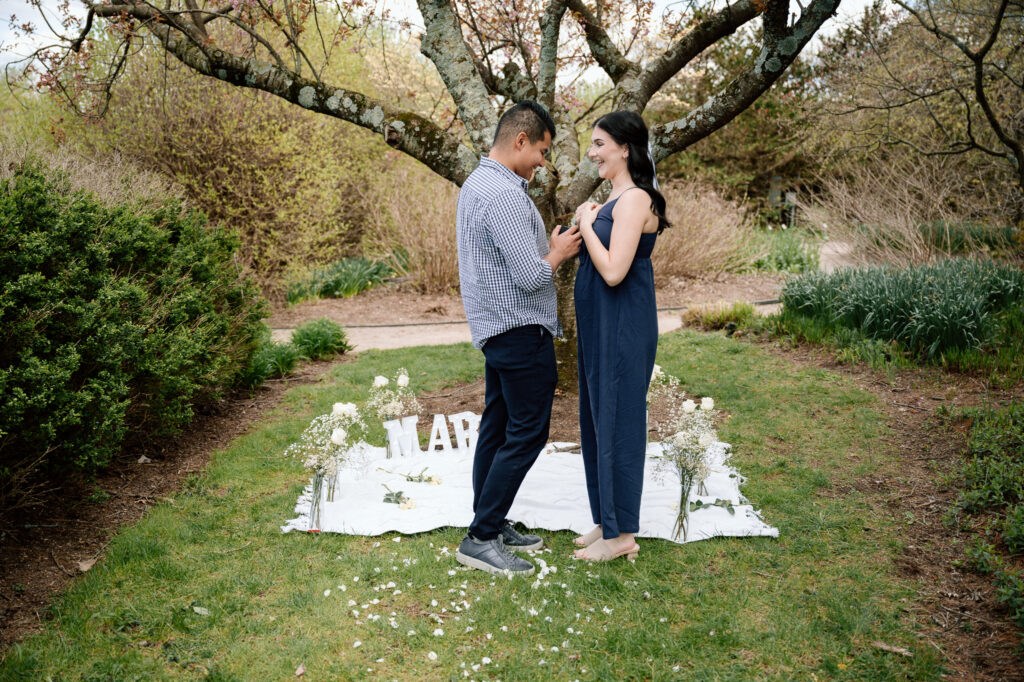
509	219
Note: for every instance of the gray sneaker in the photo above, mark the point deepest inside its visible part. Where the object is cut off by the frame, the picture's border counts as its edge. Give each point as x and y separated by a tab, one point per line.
491	556
519	542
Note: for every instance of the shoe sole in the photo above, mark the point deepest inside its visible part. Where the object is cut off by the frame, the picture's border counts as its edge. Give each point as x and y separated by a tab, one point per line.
473	562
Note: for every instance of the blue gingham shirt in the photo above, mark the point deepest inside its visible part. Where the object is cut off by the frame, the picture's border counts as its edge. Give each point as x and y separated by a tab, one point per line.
504	280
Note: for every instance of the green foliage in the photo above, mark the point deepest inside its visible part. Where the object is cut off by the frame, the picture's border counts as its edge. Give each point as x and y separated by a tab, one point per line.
992	480
270	360
718	316
1009	584
339	280
929	310
993	473
114	320
320	338
785	251
1013	529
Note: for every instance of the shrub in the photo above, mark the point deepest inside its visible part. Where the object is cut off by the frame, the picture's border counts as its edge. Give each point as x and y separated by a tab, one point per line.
280	176
718	315
902	208
785	251
320	338
416	237
708	234
339	280
270	360
115	318
1013	529
929	310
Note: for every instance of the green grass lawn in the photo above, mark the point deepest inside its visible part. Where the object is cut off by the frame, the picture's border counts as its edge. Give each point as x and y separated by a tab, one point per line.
207	587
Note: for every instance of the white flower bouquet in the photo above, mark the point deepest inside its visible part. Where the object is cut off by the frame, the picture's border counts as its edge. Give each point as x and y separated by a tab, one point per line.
685	438
661	386
321	448
392	403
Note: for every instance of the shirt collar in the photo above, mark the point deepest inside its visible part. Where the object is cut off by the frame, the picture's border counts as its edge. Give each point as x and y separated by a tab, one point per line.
502	168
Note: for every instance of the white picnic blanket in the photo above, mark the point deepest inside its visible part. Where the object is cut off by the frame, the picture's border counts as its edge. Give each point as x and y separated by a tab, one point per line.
553	496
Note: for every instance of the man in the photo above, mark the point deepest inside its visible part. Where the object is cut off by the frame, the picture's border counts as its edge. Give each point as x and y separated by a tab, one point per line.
506	273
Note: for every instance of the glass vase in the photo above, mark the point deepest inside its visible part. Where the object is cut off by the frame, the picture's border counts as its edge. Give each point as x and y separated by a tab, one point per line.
315	502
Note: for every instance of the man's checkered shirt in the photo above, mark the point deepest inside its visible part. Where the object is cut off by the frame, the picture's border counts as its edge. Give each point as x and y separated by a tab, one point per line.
504	280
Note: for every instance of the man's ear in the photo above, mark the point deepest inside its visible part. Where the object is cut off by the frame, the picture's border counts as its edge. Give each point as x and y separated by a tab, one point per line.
521	140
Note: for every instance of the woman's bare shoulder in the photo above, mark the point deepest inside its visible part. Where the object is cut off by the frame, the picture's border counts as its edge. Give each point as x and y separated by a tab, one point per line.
634	200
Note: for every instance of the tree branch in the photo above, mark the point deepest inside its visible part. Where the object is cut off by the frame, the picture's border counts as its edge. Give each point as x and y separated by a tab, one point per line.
76	44
778	50
550	26
715	27
403	130
443	45
602	48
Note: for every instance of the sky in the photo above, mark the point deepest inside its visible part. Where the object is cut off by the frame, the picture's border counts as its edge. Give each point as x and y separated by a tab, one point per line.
25	12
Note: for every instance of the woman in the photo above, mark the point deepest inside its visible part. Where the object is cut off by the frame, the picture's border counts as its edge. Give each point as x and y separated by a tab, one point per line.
617	332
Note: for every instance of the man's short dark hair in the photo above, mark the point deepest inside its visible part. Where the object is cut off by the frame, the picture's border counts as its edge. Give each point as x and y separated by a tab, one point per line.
527	117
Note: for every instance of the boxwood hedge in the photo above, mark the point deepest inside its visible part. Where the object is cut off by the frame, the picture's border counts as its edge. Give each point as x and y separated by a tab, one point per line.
116	320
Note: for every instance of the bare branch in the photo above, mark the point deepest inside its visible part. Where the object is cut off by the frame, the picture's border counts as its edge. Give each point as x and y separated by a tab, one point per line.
602	48
720	24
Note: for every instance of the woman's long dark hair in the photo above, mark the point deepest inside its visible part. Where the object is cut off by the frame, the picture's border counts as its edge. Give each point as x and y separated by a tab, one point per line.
629	130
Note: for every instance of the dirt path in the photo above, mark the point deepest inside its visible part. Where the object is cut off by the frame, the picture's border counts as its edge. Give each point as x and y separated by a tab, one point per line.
392	318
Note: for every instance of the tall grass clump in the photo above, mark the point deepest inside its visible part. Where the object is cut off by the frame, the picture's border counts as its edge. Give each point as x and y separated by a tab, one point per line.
272	359
416	236
321	338
713	316
933	312
342	279
117	316
708	233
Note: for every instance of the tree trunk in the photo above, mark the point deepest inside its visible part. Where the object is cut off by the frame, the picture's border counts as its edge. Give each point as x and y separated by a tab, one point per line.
565	349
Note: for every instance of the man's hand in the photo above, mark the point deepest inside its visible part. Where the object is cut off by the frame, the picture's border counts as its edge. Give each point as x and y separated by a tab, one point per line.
564	245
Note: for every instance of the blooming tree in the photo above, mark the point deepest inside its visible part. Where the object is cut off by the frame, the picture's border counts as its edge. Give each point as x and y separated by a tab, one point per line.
488	53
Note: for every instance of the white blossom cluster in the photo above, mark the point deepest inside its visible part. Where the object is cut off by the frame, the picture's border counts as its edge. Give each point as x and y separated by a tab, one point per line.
693	431
685	437
662	385
391	403
322	446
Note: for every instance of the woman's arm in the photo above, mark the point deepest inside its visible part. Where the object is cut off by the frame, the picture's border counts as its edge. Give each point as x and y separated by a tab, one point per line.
630	215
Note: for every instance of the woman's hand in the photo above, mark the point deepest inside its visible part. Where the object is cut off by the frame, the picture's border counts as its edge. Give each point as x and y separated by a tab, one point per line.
586	213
